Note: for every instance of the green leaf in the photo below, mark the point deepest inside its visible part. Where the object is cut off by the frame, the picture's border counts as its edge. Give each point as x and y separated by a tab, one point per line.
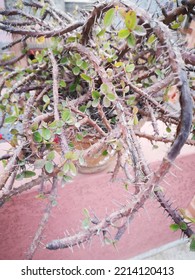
181	18
95	94
131	101
65	168
59	123
76	70
77	56
67	179
111	96
19	4
25	174
39	57
10	120
106	102
14	131
19	177
79	89
101	32
129	68
85	77
126	186
82	108
123	33
54	203
174	227
131	41
46	99
46	133
193	137
42	11
151	39
72	87
135	120
71	39
62	83
183	226
192	243
66	115
37	137
58	131
16	111
81	160
79	137
159	73
40	196
53	125
175	25
71	155
95	102
51	155
86	223
79	62
126	90
72	169
64	60
39	163
131	20
28	173
118	64
84	65
49	82
139	30
109	16
168	129
86	213
104	88
49	167
105	153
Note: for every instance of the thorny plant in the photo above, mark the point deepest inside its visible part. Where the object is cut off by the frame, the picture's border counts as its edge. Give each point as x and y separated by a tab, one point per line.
95	78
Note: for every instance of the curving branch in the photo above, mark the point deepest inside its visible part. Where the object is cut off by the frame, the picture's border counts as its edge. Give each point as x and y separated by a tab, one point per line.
10	166
12	61
184	127
184	9
44	220
95	14
46	34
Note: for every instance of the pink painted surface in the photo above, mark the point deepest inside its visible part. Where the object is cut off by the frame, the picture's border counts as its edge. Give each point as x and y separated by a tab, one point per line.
20	217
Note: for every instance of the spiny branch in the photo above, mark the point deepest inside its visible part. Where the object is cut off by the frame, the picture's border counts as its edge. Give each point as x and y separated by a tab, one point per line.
44	220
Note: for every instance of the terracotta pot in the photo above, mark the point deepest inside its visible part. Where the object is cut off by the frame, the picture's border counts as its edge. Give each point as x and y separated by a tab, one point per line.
94	162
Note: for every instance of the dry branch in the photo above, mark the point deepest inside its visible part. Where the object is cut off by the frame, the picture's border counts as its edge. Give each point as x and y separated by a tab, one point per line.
44	220
11	165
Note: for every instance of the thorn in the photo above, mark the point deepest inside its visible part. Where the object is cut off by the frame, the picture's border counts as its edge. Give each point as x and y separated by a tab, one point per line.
173	174
71	248
166	182
174	164
117	203
78	245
